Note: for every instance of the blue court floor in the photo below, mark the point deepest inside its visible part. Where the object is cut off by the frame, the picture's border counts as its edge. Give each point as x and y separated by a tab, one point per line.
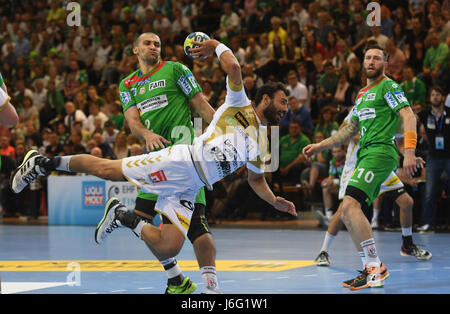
66	260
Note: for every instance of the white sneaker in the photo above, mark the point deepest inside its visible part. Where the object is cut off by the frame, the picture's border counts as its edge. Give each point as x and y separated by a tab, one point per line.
424	228
323	220
211	290
26	172
109	221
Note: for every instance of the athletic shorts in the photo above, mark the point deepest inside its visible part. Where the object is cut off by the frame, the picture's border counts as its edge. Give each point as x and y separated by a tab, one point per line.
392	183
170	174
199	223
370	173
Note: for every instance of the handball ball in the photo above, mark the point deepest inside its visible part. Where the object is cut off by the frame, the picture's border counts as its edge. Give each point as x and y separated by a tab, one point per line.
195	36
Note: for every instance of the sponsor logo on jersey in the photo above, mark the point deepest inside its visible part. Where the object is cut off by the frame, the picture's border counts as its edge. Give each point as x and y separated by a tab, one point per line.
157	84
371	96
184	85
390	100
153	103
400	96
142	90
191	79
133	91
140	83
158	176
366	113
125	97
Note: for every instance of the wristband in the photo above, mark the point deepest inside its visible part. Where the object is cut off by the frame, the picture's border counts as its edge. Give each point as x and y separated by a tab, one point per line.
221	48
410	139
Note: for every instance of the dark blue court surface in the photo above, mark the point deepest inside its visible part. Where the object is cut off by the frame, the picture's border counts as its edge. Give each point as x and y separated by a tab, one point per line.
58	259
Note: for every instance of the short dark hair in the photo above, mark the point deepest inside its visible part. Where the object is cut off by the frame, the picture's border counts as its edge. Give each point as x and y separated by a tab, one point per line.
372	46
269	89
437	89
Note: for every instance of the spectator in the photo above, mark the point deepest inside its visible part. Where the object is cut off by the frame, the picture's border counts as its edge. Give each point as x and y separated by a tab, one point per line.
115	114
345	94
415	90
330	185
292	161
292	55
331	47
252	51
343	55
75	139
106	149
312	47
6	149
110	133
299	14
295	88
76	80
55	148
229	23
265	63
277	31
97	152
297	111
22	47
416	33
399	36
28	113
378	37
387	24
121	149
324	27
326	125
318	168
360	32
435	122
416	58
94	113
396	61
135	150
327	85
73	115
39	95
435	62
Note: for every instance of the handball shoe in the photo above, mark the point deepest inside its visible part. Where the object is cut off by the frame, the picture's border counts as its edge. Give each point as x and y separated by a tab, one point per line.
28	170
414	251
371	277
109	221
323	259
186	287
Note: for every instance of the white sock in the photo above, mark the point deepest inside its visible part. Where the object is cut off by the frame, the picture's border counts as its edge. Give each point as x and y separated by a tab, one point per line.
64	163
329	213
138	229
210	277
174	271
370	251
376	211
327	242
363	258
407	231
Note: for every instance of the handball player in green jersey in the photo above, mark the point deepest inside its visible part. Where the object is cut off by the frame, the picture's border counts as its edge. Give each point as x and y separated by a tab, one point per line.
156	102
375	116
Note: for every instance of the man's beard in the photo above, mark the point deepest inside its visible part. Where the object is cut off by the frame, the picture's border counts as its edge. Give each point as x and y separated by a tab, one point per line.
271	114
375	74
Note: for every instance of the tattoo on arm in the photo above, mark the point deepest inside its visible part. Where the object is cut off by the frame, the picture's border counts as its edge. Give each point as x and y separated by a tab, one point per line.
345	133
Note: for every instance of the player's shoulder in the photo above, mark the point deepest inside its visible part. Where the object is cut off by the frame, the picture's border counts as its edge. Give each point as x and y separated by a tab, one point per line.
130	78
389	83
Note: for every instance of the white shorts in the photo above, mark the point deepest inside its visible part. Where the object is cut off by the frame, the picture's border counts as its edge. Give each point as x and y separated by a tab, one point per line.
393	182
170	174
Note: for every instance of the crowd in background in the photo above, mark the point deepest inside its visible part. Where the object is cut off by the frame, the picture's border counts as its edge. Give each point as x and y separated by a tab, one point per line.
64	79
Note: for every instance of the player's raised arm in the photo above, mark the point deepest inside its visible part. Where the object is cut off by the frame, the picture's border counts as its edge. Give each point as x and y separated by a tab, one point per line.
227	59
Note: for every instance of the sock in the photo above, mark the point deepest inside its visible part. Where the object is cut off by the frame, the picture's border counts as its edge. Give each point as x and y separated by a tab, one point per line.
210	277
60	163
363	258
407	231
370	251
327	242
328	213
173	271
376	211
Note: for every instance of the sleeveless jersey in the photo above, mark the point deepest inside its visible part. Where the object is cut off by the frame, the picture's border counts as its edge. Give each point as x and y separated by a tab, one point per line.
376	111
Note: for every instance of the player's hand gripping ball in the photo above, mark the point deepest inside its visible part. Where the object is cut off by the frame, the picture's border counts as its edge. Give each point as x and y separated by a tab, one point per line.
188	42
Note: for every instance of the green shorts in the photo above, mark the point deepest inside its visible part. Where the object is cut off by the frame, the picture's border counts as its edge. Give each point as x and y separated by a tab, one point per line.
370	173
200	199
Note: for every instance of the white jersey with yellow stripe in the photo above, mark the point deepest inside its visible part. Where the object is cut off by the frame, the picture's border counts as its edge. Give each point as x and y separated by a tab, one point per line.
234	138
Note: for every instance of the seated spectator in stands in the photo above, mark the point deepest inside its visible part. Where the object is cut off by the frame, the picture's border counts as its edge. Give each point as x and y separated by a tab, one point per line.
39	94
327	124
136	150
277	30
415	90
387	24
85	134
181	26
229	23
312	46
109	133
435	67
378	37
297	111
97	152
252	51
115	114
264	63
108	152
73	115
121	149
327	85
292	55
76	80
295	88
324	28
6	149
441	26
28	113
292	161
61	131
345	94
55	148
92	96
318	168
249	85
396	61
343	55
53	107
237	50
95	113
75	138
330	185
331	46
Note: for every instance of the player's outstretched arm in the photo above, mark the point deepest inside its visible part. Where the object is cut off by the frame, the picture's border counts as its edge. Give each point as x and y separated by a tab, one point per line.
8	114
227	59
259	184
340	137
